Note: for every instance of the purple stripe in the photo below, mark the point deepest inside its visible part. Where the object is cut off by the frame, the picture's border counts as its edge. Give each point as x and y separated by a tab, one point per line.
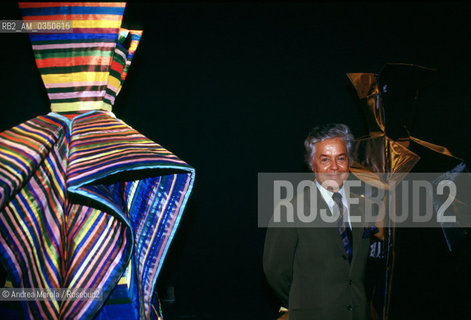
78	94
75	84
110	97
74	45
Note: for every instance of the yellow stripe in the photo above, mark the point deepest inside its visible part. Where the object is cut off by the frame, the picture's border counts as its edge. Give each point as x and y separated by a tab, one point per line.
39	216
8	284
18	163
91	254
80	105
133	46
132	191
34	138
125	279
85	227
34	253
114	82
96	23
60	199
95	156
75	77
164	207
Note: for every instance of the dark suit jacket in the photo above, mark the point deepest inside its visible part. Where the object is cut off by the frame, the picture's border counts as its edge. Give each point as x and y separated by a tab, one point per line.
309	270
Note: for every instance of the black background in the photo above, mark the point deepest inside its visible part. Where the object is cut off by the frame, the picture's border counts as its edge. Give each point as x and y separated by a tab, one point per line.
233	88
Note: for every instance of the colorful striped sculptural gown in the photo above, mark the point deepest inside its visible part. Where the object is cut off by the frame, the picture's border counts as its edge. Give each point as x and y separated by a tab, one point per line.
86	201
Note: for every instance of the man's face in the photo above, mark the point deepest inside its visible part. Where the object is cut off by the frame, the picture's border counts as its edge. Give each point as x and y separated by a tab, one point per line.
330	163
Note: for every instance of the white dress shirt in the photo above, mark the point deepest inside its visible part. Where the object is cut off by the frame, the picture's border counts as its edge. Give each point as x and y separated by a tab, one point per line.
327	195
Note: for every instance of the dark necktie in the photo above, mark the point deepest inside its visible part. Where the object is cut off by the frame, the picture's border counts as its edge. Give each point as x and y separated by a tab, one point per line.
345	232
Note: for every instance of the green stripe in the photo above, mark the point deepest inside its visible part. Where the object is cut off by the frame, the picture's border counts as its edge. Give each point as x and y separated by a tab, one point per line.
47	54
116	75
25	147
76	100
119	59
11	165
40	178
70	50
71	89
71	69
71	41
74	211
110	92
16	216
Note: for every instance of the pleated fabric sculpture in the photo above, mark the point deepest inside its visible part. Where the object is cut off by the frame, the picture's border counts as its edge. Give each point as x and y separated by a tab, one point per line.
86	201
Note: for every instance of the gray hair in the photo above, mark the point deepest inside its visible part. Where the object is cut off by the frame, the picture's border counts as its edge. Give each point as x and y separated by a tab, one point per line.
328	131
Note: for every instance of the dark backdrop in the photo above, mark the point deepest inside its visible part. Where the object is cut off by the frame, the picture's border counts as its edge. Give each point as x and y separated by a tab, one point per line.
233	88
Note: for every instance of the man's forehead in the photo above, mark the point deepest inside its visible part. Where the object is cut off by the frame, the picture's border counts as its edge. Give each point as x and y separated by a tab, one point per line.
331	143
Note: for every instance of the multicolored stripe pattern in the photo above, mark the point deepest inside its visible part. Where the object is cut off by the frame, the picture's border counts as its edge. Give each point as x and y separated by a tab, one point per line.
86	201
150	205
81	70
32	219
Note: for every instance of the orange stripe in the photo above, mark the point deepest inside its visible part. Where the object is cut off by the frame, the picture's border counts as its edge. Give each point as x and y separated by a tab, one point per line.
21	141
72	61
71	4
75	17
116	66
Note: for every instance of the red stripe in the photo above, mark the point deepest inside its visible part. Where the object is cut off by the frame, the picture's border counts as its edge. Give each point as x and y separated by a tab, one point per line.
96	30
116	66
73	61
23	141
71	4
75	17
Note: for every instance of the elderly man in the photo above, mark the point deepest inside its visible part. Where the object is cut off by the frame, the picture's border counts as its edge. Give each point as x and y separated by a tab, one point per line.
319	273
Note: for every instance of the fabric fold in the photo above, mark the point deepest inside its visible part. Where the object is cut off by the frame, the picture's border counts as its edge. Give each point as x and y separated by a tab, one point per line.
86	201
